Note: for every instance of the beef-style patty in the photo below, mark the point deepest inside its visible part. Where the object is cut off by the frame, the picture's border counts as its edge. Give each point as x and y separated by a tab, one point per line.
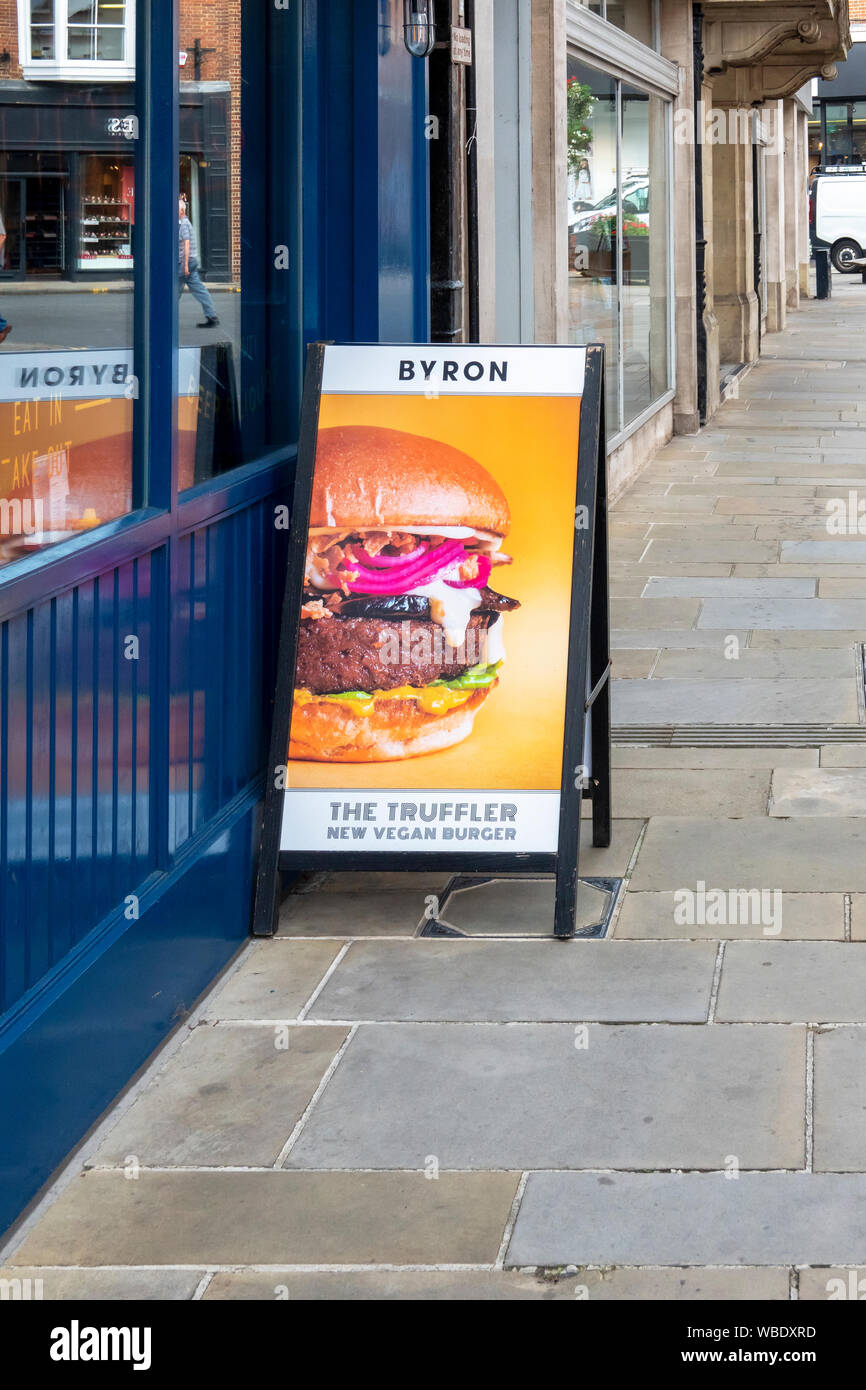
337	654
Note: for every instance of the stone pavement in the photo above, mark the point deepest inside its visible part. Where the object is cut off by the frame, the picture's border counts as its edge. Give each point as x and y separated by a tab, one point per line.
675	1112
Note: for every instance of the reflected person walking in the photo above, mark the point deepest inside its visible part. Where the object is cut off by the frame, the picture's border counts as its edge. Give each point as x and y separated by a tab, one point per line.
188	267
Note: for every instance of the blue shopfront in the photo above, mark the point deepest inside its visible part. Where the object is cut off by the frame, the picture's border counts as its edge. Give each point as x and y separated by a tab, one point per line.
144	459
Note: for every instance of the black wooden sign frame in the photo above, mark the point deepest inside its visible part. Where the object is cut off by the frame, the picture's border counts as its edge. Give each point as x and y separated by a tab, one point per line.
587	683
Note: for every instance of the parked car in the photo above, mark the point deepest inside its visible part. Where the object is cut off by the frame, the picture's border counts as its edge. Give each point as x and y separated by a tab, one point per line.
837	217
589	231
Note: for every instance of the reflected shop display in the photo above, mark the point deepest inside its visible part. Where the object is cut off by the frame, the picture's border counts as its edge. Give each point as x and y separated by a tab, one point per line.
618	252
69	230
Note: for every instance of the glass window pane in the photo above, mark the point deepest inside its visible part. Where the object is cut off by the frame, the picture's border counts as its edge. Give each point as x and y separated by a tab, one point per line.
79	44
80	11
110	12
41	42
66	354
225	410
633	16
42	11
839	142
644	250
109	45
591	105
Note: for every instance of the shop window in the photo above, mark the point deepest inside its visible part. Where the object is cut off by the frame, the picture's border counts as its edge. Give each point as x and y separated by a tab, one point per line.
68	386
73	39
227	415
618	250
840	148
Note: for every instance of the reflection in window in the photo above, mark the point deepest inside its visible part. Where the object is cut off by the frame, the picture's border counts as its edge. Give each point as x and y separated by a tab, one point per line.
227	412
618	239
592	194
67	385
644	250
42	28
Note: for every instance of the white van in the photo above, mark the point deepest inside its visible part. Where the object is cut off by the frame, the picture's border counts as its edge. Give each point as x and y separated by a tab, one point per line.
837	216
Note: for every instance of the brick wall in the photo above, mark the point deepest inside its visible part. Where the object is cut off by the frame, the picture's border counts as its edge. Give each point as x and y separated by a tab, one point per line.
9	38
217	25
857	11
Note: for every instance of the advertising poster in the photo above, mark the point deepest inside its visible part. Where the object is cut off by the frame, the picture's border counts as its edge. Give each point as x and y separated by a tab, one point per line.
428	700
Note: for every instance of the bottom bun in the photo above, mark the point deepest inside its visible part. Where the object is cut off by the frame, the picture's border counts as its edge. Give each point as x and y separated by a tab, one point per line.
324	731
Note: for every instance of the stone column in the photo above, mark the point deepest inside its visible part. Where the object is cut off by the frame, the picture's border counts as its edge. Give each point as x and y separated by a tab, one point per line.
549	172
802	195
734	297
792	158
484	132
775	228
676	44
711	322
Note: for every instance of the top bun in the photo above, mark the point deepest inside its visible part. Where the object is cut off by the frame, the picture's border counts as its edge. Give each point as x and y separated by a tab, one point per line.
379	479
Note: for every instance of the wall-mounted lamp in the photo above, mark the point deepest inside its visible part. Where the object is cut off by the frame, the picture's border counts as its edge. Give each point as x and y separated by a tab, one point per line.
419	34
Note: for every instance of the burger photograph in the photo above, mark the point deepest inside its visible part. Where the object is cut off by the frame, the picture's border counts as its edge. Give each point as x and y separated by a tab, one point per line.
400	641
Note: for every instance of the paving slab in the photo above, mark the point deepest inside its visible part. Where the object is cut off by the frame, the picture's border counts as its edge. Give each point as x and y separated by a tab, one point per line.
818	792
850	550
672	586
843	754
773	664
381	881
816	613
808	570
795	637
277	1217
793	981
354	913
832	1283
842	587
654	612
273	980
840	1100
858	916
202	1108
433	1285
796	856
105	1285
636	664
729	551
636	755
657	638
801	916
509	981
613	861
534	1096
690	792
725	701
692	1218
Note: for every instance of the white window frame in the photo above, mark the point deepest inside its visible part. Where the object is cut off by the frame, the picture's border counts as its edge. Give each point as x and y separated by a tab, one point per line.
61	69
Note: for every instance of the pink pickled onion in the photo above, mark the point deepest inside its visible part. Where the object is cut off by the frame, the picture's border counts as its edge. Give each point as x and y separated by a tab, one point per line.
405	573
485	565
400	579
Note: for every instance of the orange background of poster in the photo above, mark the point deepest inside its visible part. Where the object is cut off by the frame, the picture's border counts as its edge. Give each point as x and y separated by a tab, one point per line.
529	445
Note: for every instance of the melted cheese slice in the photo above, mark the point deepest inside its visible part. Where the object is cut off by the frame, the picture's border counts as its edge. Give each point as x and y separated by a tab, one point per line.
433	699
